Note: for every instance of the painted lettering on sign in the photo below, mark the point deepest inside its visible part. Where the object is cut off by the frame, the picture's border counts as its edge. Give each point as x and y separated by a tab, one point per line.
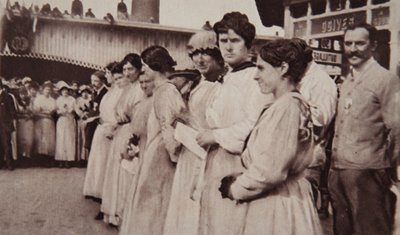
327	57
336	23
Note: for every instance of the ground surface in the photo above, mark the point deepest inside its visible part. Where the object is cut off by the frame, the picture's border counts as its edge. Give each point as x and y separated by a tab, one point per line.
49	201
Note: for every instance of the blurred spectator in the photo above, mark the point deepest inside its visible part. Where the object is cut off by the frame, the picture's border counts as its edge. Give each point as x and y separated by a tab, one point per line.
90	14
74	89
36	10
77	8
26	81
16	8
56	13
207	26
109	18
46	9
122	11
7	113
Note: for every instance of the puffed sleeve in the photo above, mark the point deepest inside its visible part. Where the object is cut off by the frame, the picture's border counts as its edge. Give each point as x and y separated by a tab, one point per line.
232	138
168	103
271	152
320	91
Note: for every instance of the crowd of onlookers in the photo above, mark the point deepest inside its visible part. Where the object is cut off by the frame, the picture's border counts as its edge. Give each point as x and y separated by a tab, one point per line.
77	10
48	122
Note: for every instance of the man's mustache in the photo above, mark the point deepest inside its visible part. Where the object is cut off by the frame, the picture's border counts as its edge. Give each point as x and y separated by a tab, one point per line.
354	53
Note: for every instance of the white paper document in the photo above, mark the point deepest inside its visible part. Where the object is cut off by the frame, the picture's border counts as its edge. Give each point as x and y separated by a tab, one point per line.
187	136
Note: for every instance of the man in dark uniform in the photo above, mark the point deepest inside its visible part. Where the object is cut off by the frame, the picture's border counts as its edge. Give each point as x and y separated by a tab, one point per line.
7	114
98	81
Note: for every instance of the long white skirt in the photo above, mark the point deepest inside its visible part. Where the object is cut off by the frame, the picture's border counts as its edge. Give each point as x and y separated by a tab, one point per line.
95	172
111	191
289	209
45	136
66	138
184	208
25	130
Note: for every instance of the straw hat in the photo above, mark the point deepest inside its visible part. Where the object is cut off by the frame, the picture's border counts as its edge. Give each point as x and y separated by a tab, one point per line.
202	40
61	84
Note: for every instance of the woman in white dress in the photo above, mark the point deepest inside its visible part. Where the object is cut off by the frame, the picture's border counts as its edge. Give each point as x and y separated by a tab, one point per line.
231	116
25	125
131	96
272	186
66	127
102	139
146	211
184	206
131	162
44	107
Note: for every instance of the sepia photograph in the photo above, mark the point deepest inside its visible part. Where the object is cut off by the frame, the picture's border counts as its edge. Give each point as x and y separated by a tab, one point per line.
199	117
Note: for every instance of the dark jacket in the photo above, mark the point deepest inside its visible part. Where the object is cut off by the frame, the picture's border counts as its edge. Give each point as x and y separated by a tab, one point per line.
7	112
95	103
91	126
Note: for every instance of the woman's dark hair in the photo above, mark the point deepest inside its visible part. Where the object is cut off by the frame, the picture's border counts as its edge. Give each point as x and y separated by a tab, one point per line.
117	68
33	85
158	59
48	84
22	91
302	46
239	23
283	50
134	59
101	76
111	65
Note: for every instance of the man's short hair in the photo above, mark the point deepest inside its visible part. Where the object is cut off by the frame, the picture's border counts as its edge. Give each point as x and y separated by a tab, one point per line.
372	31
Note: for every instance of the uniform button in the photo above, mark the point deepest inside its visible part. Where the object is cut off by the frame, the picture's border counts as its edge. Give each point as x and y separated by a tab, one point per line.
352	80
336	136
341	121
349	94
334	149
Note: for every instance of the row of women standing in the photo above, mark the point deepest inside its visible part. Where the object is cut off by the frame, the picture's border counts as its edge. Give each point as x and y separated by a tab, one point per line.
253	123
47	126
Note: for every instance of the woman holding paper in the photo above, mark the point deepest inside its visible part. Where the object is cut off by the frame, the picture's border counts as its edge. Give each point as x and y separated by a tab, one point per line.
148	208
231	116
272	186
184	207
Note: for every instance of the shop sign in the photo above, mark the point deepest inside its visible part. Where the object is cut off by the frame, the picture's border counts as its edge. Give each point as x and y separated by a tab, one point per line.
299	29
327	57
336	23
380	16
